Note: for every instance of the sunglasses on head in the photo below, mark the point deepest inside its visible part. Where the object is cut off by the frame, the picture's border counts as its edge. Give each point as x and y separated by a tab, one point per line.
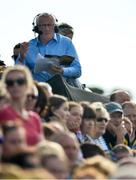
19	81
32	96
101	119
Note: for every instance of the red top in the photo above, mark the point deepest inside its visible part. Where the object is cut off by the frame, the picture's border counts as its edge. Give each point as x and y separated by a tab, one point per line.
32	124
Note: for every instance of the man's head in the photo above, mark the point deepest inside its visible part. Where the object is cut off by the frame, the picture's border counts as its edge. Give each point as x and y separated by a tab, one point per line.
45	24
66	30
120	96
115	111
70	145
16	51
129	109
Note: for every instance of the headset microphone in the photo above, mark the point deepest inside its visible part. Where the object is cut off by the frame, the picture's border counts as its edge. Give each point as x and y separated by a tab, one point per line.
36	30
40	32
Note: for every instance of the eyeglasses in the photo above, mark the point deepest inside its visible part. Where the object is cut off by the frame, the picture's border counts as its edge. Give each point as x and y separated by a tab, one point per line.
45	25
19	82
101	119
32	96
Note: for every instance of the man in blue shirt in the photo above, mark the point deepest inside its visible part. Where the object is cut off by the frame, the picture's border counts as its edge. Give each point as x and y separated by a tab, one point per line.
49	42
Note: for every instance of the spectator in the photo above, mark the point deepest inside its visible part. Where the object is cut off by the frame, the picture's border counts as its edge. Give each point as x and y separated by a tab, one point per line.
57	110
88	120
128	125
71	147
31	100
54	159
16	51
116	132
75	119
129	109
2	67
120	96
66	30
41	103
47	89
50	43
99	128
14	138
85	172
101	164
90	150
121	151
51	128
17	80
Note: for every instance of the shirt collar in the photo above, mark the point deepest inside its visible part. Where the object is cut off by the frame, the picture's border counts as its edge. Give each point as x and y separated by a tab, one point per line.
54	38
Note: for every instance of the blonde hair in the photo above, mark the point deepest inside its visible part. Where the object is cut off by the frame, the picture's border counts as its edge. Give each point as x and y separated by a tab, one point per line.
46	86
18	68
102	164
49	148
11	171
3	92
73	104
89	172
100	110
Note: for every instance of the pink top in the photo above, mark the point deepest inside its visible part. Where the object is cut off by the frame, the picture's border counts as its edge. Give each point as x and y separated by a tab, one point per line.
32	124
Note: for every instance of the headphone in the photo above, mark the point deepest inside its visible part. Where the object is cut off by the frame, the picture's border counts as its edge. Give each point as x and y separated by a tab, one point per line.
35	26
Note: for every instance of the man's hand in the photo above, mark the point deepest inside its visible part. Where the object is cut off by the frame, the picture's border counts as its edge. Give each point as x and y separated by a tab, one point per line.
23	50
119	131
56	69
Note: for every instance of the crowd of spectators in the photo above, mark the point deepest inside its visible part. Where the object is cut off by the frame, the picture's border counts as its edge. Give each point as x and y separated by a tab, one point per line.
44	135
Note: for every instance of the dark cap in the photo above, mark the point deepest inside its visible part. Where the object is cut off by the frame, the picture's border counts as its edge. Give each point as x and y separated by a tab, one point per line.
113	107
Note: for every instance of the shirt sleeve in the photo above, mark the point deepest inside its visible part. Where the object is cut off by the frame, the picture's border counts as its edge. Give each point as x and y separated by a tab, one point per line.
74	69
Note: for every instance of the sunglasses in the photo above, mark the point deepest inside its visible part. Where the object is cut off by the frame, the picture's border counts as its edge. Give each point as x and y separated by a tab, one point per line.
101	119
32	96
19	82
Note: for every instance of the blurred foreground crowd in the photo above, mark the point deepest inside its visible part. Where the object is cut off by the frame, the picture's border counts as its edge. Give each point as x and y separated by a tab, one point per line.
45	136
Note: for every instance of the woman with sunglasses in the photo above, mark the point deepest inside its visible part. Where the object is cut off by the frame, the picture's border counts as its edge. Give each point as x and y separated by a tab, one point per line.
17	81
97	131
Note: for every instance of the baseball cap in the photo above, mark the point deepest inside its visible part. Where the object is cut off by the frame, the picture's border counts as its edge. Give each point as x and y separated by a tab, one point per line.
113	107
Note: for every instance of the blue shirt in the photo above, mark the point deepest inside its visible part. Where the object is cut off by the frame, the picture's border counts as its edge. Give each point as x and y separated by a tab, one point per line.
59	45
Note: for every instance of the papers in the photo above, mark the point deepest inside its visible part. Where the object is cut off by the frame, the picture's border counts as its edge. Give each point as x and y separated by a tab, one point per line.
45	63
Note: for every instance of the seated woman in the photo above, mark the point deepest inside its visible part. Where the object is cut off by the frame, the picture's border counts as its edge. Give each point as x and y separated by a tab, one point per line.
97	131
17	80
14	138
88	120
36	99
57	110
75	119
